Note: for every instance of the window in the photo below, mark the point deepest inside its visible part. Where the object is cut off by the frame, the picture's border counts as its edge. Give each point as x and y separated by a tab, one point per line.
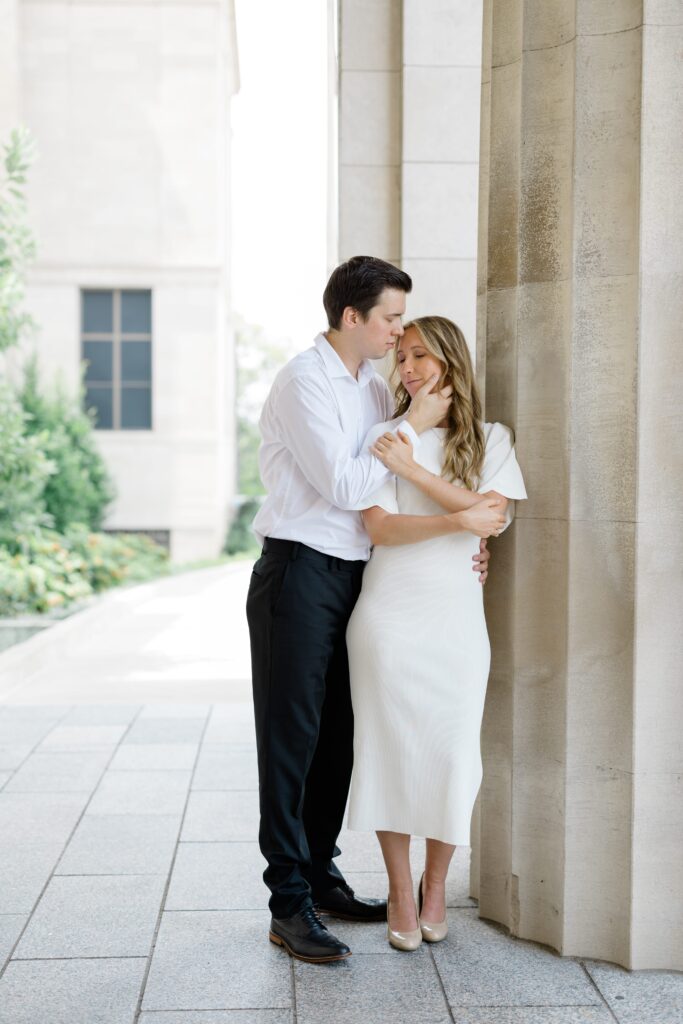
116	344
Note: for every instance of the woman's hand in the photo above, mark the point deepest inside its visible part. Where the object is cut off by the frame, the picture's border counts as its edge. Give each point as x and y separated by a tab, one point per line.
485	519
396	453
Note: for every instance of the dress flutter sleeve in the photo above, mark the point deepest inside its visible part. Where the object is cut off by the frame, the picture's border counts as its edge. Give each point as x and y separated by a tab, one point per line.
501	470
384	496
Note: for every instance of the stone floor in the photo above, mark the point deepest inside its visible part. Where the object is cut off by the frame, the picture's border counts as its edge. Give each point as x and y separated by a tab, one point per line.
130	879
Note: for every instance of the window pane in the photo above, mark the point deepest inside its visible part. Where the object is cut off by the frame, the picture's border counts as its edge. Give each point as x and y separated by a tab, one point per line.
136	312
136	361
98	356
136	408
97	312
100	398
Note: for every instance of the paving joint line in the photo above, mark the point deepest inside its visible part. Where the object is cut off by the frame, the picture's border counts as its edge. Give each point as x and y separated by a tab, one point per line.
594	984
162	905
292	975
68	840
441	984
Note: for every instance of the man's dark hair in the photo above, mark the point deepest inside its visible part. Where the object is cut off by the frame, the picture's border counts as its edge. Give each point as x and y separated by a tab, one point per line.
359	283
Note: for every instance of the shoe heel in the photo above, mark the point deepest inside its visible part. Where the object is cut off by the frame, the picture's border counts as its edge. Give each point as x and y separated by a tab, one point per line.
275	938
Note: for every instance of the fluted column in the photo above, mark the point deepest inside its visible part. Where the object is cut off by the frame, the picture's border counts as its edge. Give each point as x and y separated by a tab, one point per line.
409	91
581	809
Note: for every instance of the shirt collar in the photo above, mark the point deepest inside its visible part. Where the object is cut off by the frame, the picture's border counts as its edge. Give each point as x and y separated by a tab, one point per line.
335	367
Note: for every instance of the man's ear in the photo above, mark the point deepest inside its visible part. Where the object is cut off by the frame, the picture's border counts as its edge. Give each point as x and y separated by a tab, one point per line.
350	318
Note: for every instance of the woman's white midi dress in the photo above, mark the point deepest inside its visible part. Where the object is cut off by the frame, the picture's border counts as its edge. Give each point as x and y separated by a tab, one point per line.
419	662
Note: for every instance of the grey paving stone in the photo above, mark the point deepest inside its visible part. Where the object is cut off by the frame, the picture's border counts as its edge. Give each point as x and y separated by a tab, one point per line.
38	817
369	938
159	756
121	844
12	754
60	771
90	916
379	989
217	960
25	867
640	997
102	714
375	883
481	965
132	792
223	767
232	724
4	778
175	711
83	737
219	1017
360	851
33	712
24	731
534	1015
165	730
70	991
218	876
221	817
10	927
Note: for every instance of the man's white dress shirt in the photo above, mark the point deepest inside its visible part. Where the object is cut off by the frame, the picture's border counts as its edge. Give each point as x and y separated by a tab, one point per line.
312	426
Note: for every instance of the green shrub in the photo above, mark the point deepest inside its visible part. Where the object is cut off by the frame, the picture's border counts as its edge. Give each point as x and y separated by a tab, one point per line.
81	488
48	570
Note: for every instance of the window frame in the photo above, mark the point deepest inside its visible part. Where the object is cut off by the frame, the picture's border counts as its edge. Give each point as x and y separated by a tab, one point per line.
116	338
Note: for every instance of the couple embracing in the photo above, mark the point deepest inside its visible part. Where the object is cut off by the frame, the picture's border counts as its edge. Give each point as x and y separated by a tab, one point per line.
368	639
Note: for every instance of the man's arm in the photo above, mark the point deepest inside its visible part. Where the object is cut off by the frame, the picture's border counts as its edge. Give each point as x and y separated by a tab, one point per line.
310	428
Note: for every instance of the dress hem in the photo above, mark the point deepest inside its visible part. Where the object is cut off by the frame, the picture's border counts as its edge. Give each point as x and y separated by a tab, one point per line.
408	832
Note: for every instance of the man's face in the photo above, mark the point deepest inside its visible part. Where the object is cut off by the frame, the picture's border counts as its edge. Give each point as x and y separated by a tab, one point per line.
381	331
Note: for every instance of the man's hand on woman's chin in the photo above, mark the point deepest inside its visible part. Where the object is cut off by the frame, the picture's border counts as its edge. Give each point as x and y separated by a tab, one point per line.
428	408
481	561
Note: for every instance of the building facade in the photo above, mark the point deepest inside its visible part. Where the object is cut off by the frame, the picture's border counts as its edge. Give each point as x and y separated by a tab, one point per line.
129	104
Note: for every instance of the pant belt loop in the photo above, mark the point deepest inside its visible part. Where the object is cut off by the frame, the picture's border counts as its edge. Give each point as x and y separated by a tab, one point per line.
295	551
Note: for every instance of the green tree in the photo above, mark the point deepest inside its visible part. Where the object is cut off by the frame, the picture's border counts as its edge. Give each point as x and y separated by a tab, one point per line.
17	247
24	472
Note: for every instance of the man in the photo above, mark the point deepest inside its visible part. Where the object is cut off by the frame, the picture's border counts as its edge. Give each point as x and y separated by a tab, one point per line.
303	589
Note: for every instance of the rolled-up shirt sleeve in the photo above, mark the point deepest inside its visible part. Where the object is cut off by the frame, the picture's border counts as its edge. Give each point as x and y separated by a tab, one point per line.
310	427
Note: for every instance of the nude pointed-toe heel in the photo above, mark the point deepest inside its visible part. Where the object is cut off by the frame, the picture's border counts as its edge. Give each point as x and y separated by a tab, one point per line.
406	941
431	931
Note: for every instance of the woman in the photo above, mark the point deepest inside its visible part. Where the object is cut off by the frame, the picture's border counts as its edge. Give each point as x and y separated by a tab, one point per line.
417	641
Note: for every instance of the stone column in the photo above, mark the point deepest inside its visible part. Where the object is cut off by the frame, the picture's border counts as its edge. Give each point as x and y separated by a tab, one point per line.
580	268
369	129
409	84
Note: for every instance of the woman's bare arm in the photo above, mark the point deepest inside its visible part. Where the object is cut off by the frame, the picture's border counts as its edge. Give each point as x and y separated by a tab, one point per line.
451	497
388	528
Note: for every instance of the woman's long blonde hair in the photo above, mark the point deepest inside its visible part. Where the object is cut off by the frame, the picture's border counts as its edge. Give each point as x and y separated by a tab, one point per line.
465	444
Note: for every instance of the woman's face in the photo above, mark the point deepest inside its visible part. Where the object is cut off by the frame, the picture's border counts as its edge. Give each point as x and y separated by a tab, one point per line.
416	364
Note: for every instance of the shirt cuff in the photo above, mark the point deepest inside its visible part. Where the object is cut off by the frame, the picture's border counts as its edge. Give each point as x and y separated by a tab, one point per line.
407	428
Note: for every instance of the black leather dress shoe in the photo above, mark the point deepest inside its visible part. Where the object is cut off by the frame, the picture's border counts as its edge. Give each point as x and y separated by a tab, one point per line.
342	902
305	937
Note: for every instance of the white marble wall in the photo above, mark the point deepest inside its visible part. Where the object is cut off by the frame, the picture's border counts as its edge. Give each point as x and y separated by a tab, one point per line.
409	145
129	104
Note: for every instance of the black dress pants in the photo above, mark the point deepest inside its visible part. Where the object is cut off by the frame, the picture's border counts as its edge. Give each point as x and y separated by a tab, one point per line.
298	607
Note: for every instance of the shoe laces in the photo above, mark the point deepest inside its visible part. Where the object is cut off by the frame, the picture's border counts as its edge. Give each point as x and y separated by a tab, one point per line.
311	916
